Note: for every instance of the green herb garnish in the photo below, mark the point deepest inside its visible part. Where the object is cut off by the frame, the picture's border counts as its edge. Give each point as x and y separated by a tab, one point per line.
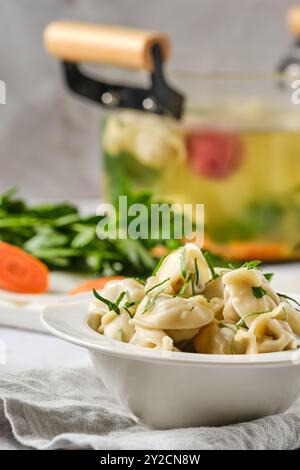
157	285
197	276
139	280
111	305
185	285
210	265
268	276
183	263
222	325
258	291
251	264
288	298
120	298
162	259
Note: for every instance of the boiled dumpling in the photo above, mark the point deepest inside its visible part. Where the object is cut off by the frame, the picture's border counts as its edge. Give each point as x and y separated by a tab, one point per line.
244	342
239	295
174	313
214	338
218	307
215	287
293	317
182	335
268	332
153	339
272	331
117	326
134	293
175	271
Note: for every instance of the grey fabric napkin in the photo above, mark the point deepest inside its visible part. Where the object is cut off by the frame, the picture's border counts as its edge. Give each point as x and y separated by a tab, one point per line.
71	409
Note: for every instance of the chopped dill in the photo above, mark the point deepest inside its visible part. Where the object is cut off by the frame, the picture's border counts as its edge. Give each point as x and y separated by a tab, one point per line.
157	285
210	265
111	305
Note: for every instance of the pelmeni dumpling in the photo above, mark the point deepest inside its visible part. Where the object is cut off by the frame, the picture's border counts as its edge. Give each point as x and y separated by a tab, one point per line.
244	342
214	338
134	292
264	336
117	326
268	332
272	331
215	287
173	313
185	263
239	296
293	317
153	339
218	307
183	335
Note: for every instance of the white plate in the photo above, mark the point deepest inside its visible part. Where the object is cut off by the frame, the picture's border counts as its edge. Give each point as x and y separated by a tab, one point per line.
170	389
23	310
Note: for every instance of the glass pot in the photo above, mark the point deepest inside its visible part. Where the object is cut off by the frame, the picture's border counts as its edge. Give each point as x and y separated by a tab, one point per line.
236	150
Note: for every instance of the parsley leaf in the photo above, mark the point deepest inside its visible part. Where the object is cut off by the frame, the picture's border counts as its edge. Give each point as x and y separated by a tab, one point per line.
251	264
258	292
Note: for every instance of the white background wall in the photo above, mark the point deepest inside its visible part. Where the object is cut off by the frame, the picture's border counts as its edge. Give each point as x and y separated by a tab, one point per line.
49	141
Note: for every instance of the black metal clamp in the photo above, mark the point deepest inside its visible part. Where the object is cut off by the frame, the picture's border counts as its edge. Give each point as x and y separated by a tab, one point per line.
159	98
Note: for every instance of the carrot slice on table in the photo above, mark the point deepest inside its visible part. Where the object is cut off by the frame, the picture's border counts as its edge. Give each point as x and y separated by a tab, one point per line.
239	251
91	284
21	272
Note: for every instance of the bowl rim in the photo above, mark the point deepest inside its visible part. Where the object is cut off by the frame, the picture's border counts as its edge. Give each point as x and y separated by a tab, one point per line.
69	321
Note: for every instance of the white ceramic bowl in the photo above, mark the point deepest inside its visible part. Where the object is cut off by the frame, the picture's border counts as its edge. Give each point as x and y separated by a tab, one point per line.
171	389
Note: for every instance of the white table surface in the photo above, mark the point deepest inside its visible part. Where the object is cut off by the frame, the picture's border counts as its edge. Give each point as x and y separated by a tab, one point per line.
26	350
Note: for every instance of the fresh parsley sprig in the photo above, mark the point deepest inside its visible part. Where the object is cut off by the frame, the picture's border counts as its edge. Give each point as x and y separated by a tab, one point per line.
258	291
254	264
268	276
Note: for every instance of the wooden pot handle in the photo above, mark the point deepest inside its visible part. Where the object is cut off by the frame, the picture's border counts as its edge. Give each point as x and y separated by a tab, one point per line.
123	47
293	20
